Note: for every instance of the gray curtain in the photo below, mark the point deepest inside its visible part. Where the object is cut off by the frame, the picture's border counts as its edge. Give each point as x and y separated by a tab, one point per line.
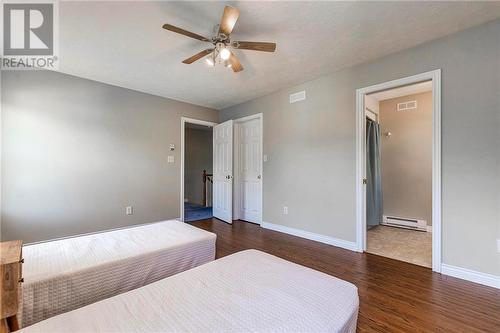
373	175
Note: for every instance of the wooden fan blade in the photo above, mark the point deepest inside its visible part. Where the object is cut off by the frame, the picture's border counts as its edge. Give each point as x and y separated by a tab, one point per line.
228	20
255	46
185	32
235	63
197	56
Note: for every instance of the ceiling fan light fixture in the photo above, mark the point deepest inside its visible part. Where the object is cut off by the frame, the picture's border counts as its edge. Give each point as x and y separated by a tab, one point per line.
221	50
225	54
209	62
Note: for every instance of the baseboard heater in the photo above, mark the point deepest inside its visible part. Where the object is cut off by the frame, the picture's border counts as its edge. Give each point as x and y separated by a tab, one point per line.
402	222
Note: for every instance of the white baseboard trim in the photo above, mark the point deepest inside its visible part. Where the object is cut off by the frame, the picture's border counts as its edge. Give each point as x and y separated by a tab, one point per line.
312	236
470	275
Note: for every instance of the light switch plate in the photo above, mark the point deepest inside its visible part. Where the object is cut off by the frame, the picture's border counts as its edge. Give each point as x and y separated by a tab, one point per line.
129	210
170	159
265	158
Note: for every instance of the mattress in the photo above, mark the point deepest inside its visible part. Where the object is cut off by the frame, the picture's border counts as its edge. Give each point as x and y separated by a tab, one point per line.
64	275
249	291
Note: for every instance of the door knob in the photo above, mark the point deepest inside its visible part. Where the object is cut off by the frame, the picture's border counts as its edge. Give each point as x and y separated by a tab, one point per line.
228	177
259	177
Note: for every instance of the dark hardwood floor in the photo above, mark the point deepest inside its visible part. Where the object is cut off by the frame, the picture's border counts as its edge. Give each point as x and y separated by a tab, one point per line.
394	296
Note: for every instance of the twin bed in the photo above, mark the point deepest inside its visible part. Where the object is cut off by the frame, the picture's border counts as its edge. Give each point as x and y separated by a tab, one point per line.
249	291
64	275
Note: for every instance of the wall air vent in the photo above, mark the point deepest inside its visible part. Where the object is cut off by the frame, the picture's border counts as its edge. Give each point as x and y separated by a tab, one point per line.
406	106
297	97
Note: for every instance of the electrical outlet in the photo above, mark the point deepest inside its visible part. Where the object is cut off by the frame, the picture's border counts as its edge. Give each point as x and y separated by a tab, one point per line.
129	210
285	210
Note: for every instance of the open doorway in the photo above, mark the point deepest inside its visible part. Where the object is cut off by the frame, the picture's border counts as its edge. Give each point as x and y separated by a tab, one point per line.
399	173
208	186
399	162
197	177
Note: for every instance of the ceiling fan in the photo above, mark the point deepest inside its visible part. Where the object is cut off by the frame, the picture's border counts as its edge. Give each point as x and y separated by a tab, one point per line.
221	51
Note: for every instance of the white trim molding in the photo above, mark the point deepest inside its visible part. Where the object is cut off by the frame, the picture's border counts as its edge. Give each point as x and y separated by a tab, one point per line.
435	77
185	120
311	236
470	275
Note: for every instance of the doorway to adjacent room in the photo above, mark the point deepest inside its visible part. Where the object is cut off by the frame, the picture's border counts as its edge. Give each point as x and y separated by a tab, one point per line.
398	164
197	162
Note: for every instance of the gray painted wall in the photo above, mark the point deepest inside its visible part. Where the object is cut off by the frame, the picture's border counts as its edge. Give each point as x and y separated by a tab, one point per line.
76	152
198	157
406	157
311	145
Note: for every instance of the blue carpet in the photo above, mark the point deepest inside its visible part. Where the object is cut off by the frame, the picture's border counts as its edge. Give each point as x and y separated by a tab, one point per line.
194	212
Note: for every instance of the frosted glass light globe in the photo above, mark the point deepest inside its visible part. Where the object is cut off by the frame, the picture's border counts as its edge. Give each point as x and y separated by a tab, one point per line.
225	54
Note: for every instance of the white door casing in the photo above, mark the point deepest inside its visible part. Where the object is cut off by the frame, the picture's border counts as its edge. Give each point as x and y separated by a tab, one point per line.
223	171
435	77
249	171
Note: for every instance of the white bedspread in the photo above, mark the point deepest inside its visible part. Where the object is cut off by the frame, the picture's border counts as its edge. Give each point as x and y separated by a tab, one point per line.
249	291
66	274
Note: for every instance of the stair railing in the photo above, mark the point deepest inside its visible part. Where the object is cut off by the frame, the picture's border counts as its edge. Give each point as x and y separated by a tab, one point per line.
207	179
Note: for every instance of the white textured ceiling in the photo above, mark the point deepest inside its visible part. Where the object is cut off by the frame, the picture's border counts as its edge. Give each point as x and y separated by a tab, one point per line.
411	89
122	43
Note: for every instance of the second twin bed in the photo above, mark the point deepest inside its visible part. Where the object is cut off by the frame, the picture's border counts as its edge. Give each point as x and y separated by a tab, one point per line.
249	291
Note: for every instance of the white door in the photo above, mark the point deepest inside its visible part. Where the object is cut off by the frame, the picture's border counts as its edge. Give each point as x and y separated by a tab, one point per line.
249	175
223	171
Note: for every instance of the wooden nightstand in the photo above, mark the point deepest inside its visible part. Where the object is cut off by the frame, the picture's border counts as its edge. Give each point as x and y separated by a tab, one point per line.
11	272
